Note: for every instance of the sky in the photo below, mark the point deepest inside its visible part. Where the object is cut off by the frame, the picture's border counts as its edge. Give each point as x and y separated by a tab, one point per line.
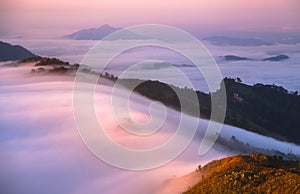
44	17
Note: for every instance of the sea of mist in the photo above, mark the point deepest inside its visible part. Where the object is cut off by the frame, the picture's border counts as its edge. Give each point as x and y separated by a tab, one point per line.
283	73
42	152
41	149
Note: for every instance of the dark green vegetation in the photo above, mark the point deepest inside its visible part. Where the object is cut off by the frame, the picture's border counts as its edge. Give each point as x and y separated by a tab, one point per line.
255	173
51	65
265	109
10	52
51	61
168	95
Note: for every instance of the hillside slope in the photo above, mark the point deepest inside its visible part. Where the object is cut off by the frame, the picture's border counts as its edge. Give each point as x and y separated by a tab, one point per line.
255	173
10	52
265	109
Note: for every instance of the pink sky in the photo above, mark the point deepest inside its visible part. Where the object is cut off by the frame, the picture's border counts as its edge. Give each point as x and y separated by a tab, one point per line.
63	16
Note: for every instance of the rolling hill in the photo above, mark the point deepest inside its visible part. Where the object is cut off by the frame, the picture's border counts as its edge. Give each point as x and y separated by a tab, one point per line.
255	173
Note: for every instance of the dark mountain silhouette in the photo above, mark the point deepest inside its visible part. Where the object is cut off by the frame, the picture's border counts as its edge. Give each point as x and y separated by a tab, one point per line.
229	41
277	58
102	32
92	33
265	109
238	58
235	58
10	52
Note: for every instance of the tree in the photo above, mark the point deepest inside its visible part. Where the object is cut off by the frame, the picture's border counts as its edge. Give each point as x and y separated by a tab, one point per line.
238	80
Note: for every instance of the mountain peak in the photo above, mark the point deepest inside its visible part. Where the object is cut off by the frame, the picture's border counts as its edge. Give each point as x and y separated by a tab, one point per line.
107	26
102	32
10	52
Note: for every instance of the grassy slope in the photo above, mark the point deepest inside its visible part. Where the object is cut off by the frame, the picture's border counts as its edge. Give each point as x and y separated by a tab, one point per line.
256	173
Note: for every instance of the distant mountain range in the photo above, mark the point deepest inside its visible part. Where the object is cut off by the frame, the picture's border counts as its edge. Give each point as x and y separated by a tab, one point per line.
275	37
10	52
102	32
229	41
277	58
238	58
263	39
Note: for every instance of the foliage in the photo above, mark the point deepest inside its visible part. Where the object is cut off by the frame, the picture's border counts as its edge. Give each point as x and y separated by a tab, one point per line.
51	61
52	65
266	109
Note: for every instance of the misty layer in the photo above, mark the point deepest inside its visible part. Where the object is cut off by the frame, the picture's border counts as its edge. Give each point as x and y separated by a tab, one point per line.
42	152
